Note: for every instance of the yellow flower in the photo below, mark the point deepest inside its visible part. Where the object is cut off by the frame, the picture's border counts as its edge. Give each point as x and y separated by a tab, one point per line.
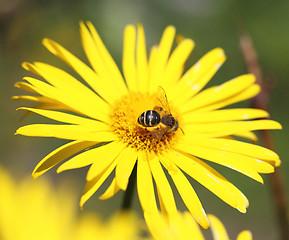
106	115
122	226
34	210
182	226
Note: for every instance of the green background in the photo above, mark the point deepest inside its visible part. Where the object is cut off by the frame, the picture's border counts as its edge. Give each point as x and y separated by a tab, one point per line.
210	23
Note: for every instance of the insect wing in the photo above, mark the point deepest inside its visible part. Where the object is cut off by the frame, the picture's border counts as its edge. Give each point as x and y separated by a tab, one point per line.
162	99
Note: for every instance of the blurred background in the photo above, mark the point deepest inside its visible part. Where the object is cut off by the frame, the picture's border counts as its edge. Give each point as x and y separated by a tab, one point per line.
210	23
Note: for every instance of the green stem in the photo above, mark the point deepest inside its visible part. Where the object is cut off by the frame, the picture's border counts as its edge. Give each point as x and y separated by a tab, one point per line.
128	195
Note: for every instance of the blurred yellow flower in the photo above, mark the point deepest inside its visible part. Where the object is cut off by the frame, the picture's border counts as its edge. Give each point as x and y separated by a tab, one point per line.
154	116
182	226
34	210
122	226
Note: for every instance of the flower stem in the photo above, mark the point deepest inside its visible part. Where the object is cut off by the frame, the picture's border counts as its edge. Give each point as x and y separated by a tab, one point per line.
262	101
128	195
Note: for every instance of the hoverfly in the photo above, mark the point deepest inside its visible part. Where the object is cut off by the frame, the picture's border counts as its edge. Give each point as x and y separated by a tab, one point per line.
160	117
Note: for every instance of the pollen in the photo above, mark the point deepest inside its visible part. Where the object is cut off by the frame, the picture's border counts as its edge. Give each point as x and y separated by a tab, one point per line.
124	119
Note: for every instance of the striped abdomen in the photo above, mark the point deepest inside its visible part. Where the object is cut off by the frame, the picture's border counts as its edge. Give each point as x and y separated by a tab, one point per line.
149	118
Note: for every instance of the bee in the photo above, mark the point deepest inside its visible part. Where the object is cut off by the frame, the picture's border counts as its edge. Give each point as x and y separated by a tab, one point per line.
160	117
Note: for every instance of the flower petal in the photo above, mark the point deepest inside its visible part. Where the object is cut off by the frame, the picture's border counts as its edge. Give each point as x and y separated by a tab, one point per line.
56	77
176	64
88	75
145	186
211	179
60	154
72	132
141	60
93	185
32	98
75	100
190	198
231	160
163	186
218	229
198	76
248	93
219	93
108	61
109	91
192	227
221	129
247	135
66	117
128	59
245	235
27	87
161	58
158	226
103	157
110	191
46	105
234	146
127	160
224	115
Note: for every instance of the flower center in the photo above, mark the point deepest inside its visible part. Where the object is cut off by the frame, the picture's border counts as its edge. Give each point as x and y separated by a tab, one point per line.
147	133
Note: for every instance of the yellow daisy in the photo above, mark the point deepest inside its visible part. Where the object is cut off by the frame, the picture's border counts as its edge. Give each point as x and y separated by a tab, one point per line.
35	210
182	226
154	116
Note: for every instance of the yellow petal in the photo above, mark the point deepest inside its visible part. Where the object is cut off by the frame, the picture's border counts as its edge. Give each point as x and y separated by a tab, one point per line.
127	160
192	228
47	105
176	64
87	74
198	76
219	93
224	115
128	58
145	186
245	235
221	129
234	146
163	186
72	132
248	93
152	62
58	155
83	159
75	100
64	81
218	229
110	191
108	60
247	135
141	60
161	58
27	87
158	226
110	91
32	98
231	160
67	118
56	76
92	186
211	179
103	156
190	198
